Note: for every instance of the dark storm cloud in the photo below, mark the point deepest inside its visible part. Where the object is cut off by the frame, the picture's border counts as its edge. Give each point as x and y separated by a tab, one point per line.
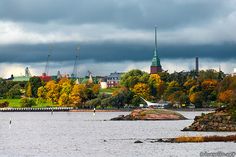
109	51
128	13
169	15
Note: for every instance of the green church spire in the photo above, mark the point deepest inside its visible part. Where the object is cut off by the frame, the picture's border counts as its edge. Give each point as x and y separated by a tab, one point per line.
155	59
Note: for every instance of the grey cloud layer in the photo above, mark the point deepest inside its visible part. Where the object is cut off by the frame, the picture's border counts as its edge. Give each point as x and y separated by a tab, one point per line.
126	13
121	29
107	52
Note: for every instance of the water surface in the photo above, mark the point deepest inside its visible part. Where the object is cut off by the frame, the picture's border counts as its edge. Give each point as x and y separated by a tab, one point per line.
82	134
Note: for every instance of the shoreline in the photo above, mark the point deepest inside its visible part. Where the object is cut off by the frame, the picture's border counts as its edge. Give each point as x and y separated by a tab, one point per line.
192	139
69	109
98	110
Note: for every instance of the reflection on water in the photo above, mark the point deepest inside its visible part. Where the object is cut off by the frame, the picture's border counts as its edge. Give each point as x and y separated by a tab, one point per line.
83	134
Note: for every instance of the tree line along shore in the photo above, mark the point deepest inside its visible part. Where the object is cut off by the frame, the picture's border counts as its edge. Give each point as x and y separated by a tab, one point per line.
208	89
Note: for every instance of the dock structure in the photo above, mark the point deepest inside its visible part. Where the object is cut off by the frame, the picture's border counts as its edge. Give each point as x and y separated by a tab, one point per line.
29	109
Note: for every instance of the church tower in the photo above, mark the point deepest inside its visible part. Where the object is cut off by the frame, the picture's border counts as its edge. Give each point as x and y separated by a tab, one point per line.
156	65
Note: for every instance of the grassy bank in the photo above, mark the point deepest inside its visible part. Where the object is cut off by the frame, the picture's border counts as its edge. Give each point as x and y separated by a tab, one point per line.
15	103
108	90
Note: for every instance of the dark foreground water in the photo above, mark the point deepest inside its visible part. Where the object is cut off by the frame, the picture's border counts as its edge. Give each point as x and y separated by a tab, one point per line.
82	134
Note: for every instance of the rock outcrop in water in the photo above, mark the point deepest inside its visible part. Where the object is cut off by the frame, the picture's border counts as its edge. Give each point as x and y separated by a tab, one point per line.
191	139
220	120
151	114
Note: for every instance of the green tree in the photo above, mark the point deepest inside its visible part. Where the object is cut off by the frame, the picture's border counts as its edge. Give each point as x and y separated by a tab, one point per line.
208	74
165	76
35	82
172	87
180	77
131	78
14	92
27	102
93	103
106	102
121	97
5	86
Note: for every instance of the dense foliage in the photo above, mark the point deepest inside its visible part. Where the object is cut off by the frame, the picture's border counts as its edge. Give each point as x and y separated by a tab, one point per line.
27	102
9	89
206	89
67	93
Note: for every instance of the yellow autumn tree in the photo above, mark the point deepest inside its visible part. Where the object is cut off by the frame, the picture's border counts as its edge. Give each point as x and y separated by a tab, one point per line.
225	96
64	80
65	90
41	92
209	85
142	90
154	80
189	84
52	91
64	99
28	92
78	95
196	98
95	89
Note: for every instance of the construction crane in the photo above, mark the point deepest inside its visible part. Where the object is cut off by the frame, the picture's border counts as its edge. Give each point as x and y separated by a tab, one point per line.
75	68
46	71
89	73
47	66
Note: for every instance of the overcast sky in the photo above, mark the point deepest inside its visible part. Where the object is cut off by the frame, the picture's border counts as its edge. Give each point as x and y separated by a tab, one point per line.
116	35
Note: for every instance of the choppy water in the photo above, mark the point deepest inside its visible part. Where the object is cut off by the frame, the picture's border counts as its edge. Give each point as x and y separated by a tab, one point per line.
82	134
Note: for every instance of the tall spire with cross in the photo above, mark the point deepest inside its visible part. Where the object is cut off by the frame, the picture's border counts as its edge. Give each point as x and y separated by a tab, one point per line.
155	39
156	65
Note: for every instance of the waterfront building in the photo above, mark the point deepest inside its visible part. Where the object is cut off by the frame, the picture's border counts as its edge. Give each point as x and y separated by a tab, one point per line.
113	80
103	85
25	77
45	77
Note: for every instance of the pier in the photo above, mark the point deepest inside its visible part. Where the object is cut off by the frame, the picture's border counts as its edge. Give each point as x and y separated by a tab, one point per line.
29	109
